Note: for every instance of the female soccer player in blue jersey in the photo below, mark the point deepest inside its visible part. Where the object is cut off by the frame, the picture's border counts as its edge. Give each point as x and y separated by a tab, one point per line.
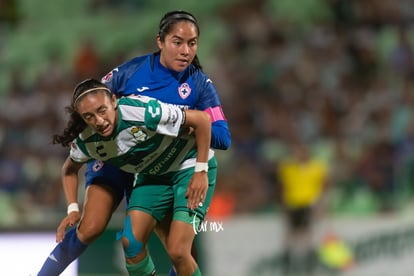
173	75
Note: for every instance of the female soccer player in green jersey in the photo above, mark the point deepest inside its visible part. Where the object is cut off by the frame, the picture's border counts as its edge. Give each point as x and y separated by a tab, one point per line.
143	135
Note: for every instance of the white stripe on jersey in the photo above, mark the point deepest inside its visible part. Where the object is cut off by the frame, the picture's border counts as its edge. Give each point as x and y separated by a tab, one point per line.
133	113
171	116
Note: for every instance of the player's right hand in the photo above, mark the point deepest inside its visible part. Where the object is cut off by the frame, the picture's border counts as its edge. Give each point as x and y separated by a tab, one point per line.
69	221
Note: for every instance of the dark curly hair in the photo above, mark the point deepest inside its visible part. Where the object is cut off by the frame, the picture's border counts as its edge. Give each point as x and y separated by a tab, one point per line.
76	124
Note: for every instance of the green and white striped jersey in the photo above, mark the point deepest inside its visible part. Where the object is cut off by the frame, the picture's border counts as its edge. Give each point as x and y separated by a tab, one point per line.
145	140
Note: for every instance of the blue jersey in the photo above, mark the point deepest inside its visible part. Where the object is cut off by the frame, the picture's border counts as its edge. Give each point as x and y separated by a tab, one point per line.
191	88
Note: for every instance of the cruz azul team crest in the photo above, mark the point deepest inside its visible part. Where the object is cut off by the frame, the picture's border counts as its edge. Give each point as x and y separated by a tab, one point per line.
184	90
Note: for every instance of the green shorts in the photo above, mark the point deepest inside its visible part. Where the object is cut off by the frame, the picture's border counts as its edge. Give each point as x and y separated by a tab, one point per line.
157	195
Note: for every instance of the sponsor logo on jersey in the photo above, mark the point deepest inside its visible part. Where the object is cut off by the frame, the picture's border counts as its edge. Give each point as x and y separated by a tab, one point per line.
184	90
161	164
142	89
139	134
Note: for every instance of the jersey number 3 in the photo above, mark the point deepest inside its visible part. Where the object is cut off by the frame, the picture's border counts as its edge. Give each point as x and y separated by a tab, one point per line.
100	152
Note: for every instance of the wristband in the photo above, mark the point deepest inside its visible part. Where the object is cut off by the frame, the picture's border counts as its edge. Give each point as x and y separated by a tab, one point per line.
73	207
201	167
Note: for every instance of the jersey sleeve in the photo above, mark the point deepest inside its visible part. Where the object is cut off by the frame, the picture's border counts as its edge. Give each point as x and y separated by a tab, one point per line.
209	102
220	135
164	118
76	154
114	81
117	79
207	93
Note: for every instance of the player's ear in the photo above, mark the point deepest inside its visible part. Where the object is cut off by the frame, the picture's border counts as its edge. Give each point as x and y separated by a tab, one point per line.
159	42
114	102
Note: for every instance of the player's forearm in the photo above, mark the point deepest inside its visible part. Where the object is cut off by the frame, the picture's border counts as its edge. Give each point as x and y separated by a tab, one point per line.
70	180
200	121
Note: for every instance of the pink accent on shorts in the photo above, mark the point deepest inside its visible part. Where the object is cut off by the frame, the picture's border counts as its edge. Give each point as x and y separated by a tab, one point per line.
216	113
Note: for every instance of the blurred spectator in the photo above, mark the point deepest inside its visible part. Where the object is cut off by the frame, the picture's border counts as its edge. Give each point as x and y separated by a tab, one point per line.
223	203
404	164
96	5
343	172
11	171
54	76
87	63
376	168
9	13
402	55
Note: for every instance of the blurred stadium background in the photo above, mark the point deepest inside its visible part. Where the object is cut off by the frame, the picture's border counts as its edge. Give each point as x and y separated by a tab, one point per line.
337	74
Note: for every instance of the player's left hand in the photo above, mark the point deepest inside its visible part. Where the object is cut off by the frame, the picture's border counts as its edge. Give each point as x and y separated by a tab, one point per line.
197	190
69	221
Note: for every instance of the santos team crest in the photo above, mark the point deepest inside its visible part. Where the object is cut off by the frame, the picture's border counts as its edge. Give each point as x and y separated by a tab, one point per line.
139	135
184	90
